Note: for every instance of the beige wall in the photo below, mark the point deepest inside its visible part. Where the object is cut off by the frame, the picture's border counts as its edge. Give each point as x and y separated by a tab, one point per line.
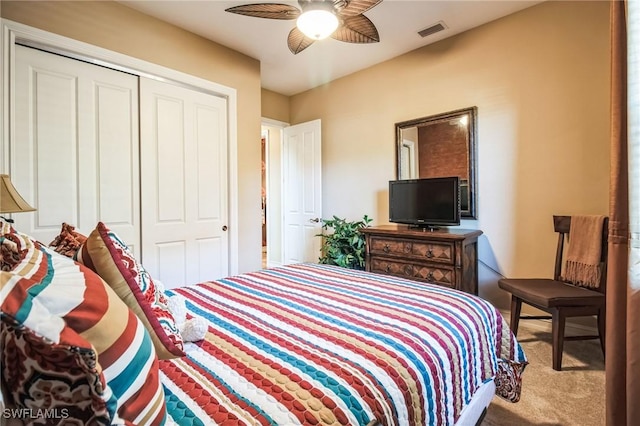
118	28
275	106
540	80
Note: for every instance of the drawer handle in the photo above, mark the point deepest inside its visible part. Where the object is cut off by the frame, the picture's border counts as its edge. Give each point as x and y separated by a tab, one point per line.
407	270
430	276
429	253
388	268
386	248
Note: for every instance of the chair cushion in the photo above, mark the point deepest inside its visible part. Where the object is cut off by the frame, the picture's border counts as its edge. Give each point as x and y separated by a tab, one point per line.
550	293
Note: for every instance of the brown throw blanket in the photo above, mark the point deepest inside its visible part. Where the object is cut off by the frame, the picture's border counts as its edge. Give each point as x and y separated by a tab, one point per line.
583	265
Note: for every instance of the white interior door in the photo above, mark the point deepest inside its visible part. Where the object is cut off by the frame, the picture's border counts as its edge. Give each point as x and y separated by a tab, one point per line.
302	192
75	148
184	183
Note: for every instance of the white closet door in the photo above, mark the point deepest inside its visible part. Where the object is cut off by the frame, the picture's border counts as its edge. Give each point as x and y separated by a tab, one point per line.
75	151
184	183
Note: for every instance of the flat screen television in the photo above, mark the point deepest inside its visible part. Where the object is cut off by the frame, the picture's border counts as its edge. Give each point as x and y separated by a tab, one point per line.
428	203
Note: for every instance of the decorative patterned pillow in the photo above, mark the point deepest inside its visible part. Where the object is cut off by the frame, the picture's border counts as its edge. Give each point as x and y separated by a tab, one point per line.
58	381
68	242
50	293
10	255
508	380
110	257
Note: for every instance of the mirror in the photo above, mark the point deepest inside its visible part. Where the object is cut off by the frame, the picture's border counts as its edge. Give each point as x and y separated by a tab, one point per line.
438	146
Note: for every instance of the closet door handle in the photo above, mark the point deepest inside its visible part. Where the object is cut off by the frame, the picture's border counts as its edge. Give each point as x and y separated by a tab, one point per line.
224	227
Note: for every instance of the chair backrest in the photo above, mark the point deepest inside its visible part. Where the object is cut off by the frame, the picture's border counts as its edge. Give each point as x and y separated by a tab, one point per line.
562	225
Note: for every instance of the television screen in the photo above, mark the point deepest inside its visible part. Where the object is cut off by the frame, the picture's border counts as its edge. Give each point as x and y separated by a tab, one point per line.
425	202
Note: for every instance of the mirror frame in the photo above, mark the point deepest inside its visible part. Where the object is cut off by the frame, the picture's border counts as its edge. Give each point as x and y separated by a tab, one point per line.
471	212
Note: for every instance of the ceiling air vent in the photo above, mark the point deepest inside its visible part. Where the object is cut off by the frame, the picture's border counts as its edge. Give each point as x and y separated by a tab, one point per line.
432	29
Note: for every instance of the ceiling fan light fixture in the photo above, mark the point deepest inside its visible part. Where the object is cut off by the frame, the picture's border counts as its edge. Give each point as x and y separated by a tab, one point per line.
317	24
318	19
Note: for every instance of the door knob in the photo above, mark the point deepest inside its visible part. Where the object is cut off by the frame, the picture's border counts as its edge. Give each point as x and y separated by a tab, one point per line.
315	220
224	227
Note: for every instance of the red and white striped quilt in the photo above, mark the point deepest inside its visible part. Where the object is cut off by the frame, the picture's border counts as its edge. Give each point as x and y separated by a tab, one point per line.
317	344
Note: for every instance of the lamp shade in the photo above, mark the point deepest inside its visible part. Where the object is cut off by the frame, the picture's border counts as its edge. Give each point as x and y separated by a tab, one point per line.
10	200
317	23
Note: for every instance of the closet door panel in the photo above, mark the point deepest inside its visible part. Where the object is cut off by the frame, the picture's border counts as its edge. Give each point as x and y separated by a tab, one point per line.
210	252
209	176
53	131
172	262
184	183
74	154
211	197
168	122
118	168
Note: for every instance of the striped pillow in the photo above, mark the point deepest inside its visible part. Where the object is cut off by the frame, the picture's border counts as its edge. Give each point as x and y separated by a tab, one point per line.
5	227
47	291
105	253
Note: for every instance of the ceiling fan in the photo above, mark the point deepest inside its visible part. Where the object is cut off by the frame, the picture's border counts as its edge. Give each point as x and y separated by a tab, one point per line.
343	20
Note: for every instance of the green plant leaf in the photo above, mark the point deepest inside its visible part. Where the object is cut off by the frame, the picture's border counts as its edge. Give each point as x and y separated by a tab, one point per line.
345	246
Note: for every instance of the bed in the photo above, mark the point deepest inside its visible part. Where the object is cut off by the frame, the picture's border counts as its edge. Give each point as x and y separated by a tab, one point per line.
319	344
88	337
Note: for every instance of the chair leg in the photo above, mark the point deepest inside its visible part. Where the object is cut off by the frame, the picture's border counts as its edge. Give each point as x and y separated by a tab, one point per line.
557	327
601	328
516	308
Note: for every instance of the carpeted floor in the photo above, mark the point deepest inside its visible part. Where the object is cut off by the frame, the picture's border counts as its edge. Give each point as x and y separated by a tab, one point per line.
573	396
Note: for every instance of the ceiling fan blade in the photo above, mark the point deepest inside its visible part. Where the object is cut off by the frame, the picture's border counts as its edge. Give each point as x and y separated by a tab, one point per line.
357	29
266	10
297	41
348	8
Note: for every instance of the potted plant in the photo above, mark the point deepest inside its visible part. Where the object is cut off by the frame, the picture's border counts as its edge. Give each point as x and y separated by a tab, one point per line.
345	246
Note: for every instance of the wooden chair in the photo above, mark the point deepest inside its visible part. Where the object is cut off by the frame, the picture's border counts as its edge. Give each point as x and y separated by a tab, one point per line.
561	299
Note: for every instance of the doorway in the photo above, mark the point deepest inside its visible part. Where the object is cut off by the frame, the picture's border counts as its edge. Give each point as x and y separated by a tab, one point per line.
271	195
263	196
292	197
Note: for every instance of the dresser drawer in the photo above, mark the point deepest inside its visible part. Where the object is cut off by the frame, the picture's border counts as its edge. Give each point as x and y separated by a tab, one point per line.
417	271
386	246
441	252
433	251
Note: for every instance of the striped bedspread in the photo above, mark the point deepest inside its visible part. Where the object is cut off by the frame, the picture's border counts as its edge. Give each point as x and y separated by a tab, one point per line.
316	344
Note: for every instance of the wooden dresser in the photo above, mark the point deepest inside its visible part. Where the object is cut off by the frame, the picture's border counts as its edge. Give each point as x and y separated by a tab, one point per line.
447	257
